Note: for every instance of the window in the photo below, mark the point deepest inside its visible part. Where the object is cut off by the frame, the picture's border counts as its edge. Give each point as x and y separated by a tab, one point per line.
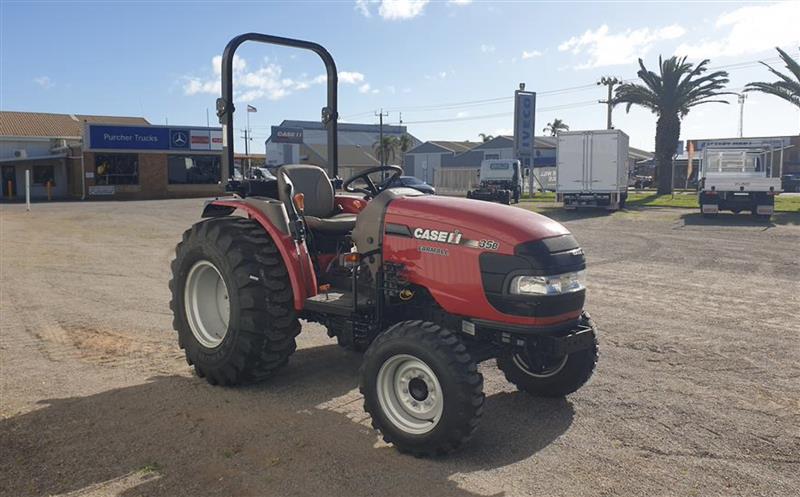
116	169
43	174
194	169
491	156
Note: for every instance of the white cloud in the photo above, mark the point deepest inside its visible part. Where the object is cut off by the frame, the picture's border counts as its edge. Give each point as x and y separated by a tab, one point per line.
487	48
531	54
399	10
461	114
749	30
606	49
365	88
266	81
350	77
44	81
363	7
459	2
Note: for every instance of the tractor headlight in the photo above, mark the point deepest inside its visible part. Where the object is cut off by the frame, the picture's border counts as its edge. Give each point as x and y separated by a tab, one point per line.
549	285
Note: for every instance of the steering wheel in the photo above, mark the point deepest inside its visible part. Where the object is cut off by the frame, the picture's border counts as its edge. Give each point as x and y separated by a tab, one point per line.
371	188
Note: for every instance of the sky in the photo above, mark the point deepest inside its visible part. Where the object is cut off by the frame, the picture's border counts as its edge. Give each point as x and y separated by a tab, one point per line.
448	69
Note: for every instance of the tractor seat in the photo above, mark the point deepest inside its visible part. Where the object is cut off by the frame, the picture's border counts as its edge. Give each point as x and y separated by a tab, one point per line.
320	206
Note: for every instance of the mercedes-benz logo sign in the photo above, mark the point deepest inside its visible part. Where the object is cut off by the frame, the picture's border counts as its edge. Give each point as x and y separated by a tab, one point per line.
179	138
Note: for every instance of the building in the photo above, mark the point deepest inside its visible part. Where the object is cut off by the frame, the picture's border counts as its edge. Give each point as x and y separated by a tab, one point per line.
305	142
82	156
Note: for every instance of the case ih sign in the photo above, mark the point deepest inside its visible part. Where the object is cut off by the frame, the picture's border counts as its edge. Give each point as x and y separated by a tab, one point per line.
281	134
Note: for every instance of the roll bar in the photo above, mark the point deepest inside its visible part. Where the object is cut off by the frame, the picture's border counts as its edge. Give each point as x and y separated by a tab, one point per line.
225	107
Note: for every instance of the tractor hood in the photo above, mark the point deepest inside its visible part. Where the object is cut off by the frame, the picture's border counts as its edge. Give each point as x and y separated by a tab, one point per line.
442	219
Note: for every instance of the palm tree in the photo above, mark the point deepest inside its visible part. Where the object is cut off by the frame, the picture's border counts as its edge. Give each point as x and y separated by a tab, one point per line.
554	127
788	88
485	138
404	144
387	149
670	95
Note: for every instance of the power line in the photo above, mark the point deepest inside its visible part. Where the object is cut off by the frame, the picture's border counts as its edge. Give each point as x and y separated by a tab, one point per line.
504	114
557	91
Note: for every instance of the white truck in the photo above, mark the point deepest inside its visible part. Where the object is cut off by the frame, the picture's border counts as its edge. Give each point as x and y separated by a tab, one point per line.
592	169
500	181
738	179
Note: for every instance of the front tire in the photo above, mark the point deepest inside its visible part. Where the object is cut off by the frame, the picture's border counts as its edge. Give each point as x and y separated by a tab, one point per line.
422	389
553	377
232	301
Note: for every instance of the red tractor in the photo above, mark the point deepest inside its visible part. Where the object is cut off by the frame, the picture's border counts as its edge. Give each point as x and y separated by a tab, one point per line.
427	286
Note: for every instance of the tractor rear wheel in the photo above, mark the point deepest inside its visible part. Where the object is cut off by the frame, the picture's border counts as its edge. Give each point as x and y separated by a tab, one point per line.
422	389
551	376
232	302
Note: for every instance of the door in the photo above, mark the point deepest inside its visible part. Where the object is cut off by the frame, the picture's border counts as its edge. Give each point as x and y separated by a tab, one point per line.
603	167
9	181
571	160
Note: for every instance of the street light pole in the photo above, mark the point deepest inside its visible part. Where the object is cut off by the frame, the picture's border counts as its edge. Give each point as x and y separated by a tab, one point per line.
742	98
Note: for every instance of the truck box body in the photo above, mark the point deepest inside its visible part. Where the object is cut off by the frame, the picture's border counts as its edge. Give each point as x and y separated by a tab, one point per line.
592	168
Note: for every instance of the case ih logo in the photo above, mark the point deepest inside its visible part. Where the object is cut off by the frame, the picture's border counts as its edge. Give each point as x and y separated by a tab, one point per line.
453	237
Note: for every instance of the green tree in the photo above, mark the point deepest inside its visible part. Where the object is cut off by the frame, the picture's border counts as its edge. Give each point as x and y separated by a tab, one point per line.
670	95
555	127
485	138
404	144
788	87
387	149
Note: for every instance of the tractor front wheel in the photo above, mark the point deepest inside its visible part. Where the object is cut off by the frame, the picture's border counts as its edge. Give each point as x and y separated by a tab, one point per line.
422	389
232	301
550	376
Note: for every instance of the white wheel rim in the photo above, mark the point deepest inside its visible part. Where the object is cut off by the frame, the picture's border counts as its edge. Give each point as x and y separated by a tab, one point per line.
410	394
547	373
207	304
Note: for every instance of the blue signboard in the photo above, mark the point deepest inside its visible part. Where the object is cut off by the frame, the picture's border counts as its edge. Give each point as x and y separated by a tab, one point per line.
524	124
129	137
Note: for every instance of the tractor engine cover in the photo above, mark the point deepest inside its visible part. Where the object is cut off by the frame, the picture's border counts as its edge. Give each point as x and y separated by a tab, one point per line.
466	253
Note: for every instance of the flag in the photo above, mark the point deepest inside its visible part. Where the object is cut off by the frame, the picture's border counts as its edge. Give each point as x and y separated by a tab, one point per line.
690	161
250	108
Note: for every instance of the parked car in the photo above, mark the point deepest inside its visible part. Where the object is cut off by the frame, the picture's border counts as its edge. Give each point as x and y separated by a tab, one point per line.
790	182
411	182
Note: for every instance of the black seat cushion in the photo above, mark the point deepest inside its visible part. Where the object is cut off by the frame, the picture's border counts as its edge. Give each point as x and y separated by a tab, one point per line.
340	224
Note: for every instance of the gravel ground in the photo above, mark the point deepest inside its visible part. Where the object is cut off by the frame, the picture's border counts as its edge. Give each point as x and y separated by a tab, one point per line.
697	392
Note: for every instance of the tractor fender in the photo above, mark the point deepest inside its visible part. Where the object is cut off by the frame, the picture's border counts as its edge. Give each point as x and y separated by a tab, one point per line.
271	215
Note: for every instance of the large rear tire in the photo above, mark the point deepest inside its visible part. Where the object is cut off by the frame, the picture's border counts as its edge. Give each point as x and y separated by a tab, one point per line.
232	302
558	377
422	389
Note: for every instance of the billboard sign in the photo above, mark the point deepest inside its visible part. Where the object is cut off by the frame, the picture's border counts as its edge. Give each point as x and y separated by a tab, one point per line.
128	138
152	138
524	124
283	134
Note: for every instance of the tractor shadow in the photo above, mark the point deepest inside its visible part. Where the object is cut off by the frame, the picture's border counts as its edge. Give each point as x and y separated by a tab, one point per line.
188	438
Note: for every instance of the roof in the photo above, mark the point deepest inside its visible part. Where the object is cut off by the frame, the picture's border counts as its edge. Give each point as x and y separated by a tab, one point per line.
452	147
362	128
455	146
56	125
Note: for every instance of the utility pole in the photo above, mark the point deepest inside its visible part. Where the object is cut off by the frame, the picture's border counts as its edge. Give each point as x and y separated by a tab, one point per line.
381	148
247	139
742	98
381	115
610	82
